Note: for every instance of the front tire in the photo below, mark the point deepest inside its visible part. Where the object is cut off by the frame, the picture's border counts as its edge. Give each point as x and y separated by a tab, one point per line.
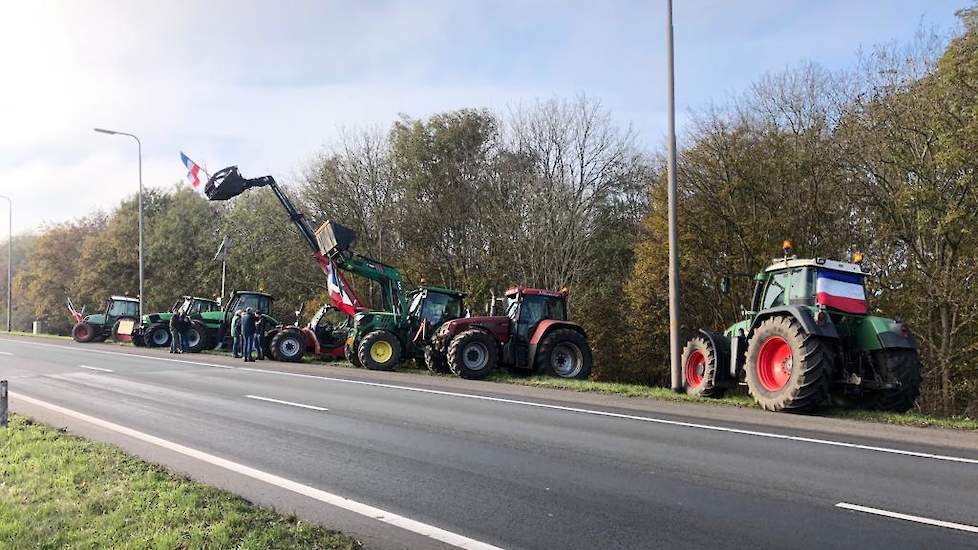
435	360
564	353
196	337
700	367
788	369
473	354
83	332
115	329
903	367
158	336
289	346
379	350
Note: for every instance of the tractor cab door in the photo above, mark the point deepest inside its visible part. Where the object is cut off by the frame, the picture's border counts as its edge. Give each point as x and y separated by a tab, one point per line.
121	308
526	312
431	308
331	327
776	291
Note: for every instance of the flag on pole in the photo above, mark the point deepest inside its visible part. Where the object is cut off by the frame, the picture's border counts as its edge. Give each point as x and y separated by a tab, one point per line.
222	251
193	170
340	291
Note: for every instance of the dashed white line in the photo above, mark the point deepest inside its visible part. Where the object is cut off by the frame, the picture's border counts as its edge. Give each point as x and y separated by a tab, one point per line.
95	368
366	510
595	412
281	402
908	517
5	353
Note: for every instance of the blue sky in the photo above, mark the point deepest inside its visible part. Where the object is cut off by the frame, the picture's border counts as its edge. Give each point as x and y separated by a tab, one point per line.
267	85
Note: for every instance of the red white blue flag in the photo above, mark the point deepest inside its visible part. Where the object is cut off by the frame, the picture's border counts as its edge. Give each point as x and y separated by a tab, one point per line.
340	291
193	170
841	291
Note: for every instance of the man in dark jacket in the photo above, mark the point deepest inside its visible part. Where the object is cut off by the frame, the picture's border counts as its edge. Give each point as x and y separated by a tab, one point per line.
236	334
175	331
185	325
260	335
248	333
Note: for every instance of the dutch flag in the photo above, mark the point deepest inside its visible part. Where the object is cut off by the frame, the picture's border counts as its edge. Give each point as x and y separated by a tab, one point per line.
340	291
841	291
193	171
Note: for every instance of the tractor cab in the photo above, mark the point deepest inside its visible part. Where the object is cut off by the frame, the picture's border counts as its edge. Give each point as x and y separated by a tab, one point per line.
434	305
527	308
243	299
118	307
829	285
197	306
331	326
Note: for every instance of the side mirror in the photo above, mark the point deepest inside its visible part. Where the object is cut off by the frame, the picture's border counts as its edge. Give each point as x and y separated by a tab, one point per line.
725	285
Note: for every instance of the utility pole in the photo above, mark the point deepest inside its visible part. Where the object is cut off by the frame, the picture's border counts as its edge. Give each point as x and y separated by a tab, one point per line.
10	254
674	316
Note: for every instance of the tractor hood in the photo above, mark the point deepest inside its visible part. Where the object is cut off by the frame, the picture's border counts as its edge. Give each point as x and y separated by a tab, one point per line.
95	319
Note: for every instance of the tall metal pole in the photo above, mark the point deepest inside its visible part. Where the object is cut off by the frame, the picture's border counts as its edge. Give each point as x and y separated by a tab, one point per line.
674	316
10	254
139	148
224	271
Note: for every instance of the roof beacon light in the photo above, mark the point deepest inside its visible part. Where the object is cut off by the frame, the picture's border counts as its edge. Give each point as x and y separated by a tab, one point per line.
857	257
787	246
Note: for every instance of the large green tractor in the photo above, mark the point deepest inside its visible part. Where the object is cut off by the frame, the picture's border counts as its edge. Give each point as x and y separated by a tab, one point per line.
154	331
113	322
808	339
211	329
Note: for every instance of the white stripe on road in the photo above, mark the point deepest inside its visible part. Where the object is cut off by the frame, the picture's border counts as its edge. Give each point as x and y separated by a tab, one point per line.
95	368
908	517
270	400
408	524
5	353
595	412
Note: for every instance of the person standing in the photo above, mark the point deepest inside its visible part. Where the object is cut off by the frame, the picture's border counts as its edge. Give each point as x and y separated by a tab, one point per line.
236	334
248	334
260	335
175	331
185	332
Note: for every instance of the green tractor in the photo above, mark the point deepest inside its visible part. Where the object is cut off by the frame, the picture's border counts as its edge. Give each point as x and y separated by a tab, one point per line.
154	331
114	321
378	340
212	329
808	339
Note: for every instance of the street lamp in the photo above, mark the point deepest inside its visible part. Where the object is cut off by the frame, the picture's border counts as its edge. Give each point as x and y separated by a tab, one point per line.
10	252
139	146
675	369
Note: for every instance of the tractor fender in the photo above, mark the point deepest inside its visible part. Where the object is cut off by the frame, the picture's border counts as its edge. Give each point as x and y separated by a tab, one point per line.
497	326
802	315
545	327
722	377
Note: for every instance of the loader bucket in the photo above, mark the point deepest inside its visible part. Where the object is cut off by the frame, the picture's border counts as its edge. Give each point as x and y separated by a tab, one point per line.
225	184
334	238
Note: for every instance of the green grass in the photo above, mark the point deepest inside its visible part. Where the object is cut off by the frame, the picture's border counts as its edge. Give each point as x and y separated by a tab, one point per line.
62	491
20	333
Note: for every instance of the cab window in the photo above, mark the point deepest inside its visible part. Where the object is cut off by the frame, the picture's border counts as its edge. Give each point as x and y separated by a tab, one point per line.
776	286
536	308
439	307
120	308
260	304
802	286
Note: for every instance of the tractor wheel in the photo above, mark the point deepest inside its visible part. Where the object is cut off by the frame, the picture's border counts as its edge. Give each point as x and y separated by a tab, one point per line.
115	328
379	350
157	336
699	368
288	346
788	369
197	337
564	353
435	360
473	354
351	356
896	365
83	332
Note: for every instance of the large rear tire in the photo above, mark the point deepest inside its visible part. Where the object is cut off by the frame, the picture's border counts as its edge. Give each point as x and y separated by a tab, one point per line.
115	329
435	360
379	350
564	353
157	336
903	367
473	354
289	345
83	332
197	337
788	369
700	367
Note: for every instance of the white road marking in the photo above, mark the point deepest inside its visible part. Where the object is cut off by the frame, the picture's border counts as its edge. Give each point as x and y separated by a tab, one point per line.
908	517
270	400
5	353
366	510
95	368
595	412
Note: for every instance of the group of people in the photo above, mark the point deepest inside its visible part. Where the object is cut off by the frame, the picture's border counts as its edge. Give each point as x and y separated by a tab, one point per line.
247	334
179	331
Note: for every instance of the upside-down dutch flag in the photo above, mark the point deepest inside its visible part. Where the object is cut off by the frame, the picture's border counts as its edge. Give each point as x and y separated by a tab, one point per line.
193	171
841	291
340	291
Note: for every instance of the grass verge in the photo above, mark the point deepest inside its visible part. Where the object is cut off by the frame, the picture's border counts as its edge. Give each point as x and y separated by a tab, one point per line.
62	491
53	336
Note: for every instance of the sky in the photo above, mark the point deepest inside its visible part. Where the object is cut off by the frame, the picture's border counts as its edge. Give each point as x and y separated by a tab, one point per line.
268	85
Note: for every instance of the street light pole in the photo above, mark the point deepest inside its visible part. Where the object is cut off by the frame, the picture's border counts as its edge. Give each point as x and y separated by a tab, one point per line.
10	254
139	148
675	368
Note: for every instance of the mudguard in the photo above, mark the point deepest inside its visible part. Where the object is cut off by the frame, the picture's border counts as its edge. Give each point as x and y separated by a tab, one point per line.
543	328
803	316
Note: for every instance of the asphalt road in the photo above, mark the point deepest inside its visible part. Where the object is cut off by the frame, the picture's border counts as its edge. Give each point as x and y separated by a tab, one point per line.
475	464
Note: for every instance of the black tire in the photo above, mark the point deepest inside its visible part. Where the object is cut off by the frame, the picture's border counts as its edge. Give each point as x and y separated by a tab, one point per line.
903	367
699	368
473	354
379	350
289	345
435	361
197	337
564	353
83	332
115	328
157	336
799	382
351	356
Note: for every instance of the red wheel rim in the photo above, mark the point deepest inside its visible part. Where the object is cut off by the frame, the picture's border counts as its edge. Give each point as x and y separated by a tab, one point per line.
774	363
695	365
83	332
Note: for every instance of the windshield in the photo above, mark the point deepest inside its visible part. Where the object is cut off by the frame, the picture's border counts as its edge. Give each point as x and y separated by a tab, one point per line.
438	307
536	308
202	306
122	308
260	304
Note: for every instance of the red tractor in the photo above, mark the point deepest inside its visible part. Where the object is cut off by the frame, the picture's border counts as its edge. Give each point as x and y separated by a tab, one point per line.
324	336
533	335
